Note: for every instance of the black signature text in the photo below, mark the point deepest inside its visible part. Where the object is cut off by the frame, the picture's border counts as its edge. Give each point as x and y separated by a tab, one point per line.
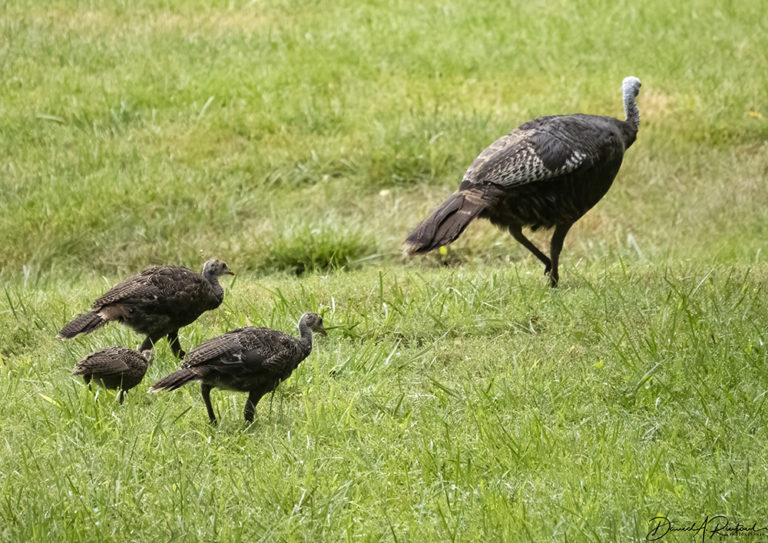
718	525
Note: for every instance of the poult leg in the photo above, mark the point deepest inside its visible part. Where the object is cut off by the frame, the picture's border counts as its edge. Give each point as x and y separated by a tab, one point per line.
205	390
555	246
149	343
250	404
173	341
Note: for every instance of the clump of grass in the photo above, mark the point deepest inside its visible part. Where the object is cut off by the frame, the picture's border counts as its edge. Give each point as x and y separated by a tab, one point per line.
324	248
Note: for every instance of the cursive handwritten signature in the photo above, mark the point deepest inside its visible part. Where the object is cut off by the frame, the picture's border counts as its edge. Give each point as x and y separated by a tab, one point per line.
718	525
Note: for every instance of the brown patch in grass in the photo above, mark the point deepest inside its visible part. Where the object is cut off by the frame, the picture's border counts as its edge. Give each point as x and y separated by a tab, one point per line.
132	23
656	105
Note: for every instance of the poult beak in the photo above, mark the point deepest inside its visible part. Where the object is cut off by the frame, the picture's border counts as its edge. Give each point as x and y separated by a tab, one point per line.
228	272
321	330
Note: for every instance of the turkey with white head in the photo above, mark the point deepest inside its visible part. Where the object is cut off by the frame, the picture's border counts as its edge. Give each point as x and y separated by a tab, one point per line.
547	173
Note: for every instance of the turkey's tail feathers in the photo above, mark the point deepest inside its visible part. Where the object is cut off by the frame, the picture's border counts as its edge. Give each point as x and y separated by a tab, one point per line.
445	224
175	380
83	324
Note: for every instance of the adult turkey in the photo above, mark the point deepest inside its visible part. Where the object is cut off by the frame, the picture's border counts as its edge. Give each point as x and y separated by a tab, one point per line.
250	359
156	302
115	368
547	173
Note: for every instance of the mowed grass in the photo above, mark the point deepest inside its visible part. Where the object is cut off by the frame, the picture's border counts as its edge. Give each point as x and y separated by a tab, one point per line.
457	398
461	404
143	133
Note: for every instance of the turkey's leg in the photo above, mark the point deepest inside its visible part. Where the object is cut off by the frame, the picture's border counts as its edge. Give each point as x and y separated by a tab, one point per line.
250	404
555	246
173	341
517	233
149	343
205	390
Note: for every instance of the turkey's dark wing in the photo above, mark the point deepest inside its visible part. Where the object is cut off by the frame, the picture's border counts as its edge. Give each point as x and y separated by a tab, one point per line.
166	282
106	362
251	347
543	149
279	355
220	349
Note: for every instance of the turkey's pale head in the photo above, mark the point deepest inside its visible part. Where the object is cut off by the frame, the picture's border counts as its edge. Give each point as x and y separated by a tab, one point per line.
215	268
314	322
630	86
148	355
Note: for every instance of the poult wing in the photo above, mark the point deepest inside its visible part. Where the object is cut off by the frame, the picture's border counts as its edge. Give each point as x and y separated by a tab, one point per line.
279	356
223	349
140	287
104	365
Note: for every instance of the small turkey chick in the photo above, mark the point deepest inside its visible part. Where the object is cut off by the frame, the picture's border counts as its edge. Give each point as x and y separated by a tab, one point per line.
115	368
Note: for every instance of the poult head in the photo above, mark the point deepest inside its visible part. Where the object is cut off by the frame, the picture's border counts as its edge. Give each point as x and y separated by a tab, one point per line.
216	268
630	86
314	321
148	355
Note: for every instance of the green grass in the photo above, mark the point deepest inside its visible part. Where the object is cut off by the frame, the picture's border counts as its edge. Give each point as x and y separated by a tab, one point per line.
458	398
448	404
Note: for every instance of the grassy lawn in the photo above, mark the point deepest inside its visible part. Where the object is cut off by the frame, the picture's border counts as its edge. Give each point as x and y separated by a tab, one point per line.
458	398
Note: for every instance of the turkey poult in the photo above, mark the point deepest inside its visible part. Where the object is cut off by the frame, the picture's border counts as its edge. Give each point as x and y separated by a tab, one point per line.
547	173
156	303
250	359
115	368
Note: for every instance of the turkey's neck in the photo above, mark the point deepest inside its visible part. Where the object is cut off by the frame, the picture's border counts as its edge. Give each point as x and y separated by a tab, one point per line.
218	290
306	336
630	109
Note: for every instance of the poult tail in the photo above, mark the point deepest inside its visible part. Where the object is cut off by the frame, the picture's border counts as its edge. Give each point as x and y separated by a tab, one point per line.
445	224
83	324
175	380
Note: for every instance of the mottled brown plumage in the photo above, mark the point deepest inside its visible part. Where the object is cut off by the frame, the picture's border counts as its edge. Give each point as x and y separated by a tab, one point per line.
115	368
156	302
250	359
547	173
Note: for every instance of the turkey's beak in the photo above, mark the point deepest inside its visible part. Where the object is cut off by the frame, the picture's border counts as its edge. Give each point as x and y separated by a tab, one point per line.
228	272
321	330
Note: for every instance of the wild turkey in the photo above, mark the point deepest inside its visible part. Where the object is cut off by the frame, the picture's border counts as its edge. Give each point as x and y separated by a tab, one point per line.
547	173
115	368
156	302
250	359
